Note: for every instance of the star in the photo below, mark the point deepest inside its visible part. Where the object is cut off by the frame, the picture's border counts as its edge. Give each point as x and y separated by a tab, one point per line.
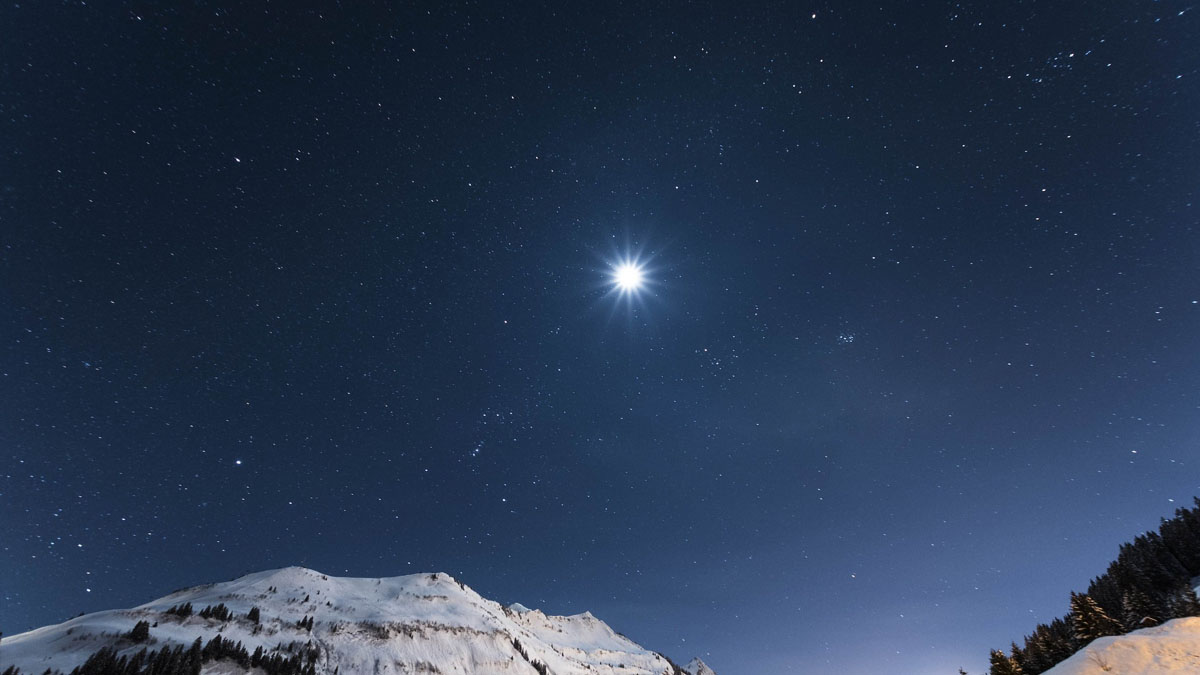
628	276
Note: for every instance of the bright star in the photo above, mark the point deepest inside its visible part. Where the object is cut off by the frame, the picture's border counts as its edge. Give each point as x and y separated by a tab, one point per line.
630	280
628	277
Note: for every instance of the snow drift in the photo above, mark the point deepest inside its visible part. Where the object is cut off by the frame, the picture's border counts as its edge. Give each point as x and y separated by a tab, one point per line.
1173	647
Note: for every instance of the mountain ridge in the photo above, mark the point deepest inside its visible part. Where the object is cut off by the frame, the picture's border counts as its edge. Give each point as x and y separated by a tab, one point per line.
414	623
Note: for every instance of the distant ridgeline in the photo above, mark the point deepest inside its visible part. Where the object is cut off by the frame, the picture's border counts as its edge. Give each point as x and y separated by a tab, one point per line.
1149	583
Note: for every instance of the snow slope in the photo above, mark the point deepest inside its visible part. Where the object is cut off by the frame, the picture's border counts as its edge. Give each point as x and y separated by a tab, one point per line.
417	623
1173	647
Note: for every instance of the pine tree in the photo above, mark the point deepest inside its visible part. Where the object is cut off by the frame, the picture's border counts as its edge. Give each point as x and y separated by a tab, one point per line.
1060	640
140	632
1037	655
1019	657
1106	590
1091	622
1184	602
1182	542
253	615
1166	558
1138	611
193	659
1001	664
182	611
137	661
103	661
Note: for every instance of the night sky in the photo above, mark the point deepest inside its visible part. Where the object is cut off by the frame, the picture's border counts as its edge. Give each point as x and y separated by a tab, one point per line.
915	351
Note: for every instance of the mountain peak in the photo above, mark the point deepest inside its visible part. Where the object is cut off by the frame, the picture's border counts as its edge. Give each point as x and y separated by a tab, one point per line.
415	622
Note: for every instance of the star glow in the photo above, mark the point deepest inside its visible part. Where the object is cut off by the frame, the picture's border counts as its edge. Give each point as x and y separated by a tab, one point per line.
628	277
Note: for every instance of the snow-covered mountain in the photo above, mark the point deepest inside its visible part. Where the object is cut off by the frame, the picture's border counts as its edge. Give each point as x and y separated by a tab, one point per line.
426	623
1173	647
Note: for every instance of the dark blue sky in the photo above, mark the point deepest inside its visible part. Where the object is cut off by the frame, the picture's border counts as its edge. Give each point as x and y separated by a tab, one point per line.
331	287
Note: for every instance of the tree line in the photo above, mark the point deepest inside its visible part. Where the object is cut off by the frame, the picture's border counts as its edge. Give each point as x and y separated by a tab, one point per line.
1149	583
178	660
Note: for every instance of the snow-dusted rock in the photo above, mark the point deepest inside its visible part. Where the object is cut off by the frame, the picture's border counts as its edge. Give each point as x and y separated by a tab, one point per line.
392	625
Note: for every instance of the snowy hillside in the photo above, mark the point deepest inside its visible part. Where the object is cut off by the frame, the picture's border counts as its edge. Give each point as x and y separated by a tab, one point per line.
1173	647
426	623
